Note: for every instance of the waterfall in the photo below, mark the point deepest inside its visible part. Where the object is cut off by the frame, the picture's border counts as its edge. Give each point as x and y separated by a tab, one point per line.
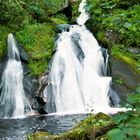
78	78
12	98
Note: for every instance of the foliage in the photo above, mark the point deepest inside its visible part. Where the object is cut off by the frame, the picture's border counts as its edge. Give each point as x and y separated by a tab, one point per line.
55	5
75	12
59	19
128	123
34	23
116	25
17	13
113	15
12	13
3	33
38	42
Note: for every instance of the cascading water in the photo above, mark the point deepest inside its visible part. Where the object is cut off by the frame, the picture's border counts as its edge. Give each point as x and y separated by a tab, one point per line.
12	99
78	76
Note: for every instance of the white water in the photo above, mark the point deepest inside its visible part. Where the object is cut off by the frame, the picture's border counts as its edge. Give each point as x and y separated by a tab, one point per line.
84	15
77	79
12	100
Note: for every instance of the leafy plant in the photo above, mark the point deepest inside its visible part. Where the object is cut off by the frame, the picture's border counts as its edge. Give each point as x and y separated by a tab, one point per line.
128	123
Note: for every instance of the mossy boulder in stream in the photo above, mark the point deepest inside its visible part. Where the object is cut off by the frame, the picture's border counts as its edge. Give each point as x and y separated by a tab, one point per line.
94	127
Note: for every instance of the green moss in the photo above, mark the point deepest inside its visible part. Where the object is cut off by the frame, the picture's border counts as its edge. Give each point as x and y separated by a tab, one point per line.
119	80
120	52
54	6
75	13
3	33
59	19
91	128
38	42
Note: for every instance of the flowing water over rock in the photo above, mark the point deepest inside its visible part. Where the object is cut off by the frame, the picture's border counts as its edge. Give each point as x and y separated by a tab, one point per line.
78	80
12	98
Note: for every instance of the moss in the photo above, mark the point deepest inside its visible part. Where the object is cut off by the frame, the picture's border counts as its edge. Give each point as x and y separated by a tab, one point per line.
55	5
93	127
75	13
118	80
4	31
38	42
59	19
121	53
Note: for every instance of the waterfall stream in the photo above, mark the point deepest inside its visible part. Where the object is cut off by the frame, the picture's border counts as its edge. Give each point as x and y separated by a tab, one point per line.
12	99
78	80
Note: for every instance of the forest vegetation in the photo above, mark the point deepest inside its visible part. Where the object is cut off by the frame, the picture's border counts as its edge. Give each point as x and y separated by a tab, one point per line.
115	24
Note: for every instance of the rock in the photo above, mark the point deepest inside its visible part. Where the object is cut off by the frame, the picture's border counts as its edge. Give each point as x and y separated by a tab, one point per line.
92	128
134	50
52	7
26	69
63	27
23	56
68	12
39	105
125	78
28	87
2	66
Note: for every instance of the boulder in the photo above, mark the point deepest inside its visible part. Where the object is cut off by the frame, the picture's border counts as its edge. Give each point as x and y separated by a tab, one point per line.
125	78
63	27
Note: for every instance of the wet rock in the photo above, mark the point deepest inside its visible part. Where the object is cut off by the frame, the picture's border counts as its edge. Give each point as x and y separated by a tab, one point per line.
39	105
68	12
23	56
26	69
28	87
2	66
63	27
134	50
125	78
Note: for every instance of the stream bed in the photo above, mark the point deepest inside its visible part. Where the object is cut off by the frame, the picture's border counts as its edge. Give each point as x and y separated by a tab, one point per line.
19	128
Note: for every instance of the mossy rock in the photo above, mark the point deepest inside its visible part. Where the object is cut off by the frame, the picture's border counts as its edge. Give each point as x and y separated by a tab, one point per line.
94	127
75	13
56	5
38	41
4	31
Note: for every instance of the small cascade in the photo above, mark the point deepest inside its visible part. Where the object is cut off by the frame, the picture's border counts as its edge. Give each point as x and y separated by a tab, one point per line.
12	98
78	80
84	15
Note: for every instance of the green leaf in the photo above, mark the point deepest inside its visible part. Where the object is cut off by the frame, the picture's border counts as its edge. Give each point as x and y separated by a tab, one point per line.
116	134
